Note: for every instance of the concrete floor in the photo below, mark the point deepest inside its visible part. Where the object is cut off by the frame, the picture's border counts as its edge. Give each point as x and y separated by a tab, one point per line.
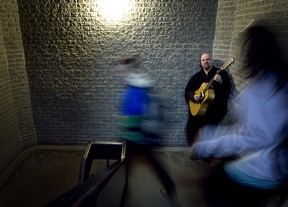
47	173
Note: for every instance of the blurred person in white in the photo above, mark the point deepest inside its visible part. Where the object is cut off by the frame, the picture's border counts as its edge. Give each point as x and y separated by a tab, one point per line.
257	144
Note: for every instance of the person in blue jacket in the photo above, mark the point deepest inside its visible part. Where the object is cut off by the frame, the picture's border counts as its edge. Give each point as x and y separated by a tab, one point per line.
257	144
134	106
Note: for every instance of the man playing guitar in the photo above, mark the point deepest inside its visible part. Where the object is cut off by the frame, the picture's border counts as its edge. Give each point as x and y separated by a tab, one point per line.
212	110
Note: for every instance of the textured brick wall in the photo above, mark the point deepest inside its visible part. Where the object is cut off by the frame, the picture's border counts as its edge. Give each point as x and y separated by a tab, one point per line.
10	141
272	13
224	28
16	123
232	17
70	51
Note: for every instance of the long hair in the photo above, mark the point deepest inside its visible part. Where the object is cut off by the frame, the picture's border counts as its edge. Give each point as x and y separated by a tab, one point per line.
262	54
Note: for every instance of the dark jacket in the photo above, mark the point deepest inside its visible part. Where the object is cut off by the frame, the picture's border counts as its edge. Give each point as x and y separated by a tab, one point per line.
218	107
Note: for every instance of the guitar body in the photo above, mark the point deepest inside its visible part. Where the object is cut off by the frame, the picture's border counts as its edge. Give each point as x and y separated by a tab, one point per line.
200	108
207	93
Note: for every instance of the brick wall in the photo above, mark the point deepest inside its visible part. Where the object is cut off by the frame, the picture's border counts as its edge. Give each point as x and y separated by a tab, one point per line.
273	13
232	17
16	123
10	141
70	51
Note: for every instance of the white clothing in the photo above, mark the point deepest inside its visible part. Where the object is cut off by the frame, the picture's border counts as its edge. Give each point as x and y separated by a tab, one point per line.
139	80
261	128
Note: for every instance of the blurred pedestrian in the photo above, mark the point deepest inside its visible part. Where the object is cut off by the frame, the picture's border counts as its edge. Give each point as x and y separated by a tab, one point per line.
135	106
257	143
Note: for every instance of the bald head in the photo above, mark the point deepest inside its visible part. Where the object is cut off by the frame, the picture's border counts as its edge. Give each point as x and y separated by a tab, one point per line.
206	61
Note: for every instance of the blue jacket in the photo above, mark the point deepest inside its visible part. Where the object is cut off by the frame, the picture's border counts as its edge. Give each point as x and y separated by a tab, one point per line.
134	106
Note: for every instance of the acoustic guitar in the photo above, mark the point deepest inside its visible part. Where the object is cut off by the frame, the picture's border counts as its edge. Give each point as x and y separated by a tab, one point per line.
207	94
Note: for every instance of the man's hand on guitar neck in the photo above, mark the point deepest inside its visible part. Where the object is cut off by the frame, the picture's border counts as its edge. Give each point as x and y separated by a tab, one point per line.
218	78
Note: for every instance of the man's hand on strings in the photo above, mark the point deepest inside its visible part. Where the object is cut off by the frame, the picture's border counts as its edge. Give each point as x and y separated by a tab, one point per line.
197	97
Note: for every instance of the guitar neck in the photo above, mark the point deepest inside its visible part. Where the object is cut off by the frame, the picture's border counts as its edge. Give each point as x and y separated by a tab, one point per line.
211	81
226	65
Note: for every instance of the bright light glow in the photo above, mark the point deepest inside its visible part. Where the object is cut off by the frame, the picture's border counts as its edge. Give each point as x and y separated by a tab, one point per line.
114	9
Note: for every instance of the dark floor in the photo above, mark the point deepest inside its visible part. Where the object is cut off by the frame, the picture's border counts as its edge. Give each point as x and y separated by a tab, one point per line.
48	173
